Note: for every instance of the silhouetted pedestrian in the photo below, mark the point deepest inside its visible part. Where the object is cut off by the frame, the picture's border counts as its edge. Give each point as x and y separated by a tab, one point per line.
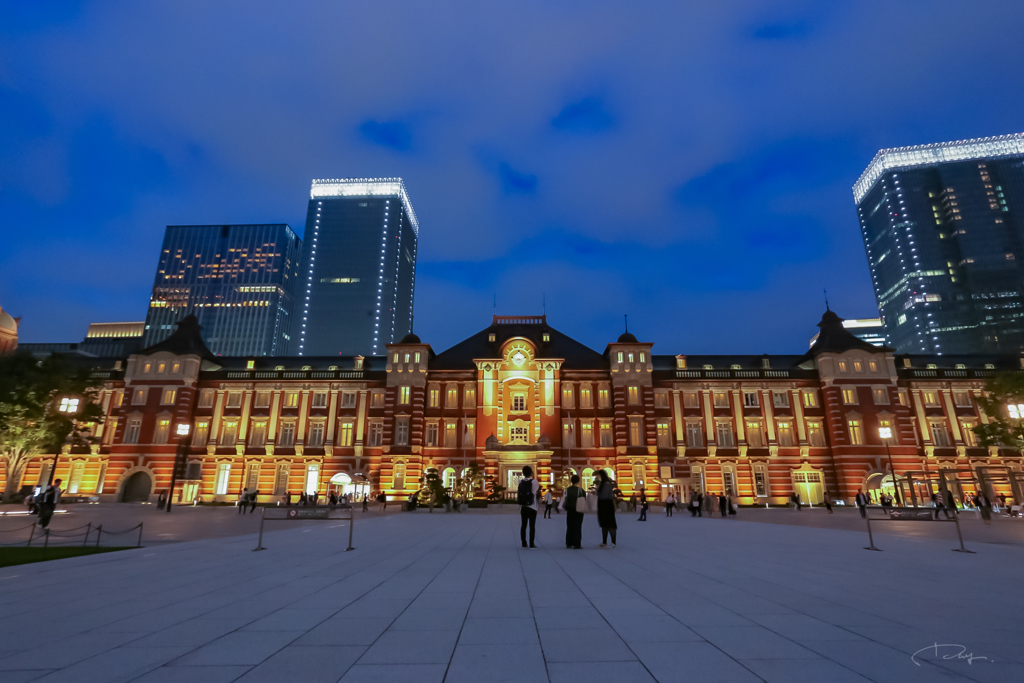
575	505
48	502
606	507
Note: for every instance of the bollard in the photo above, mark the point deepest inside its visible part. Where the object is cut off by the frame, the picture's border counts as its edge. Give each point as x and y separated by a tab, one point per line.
88	530
961	549
259	543
351	523
871	538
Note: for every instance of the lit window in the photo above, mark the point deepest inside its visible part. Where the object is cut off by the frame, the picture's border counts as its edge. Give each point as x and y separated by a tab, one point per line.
200	434
607	437
724	434
664	434
810	398
319	399
450	435
291	399
843	367
636	428
585	397
858	366
139	397
377	398
432	434
602	398
452	398
856	432
567	396
404	395
258	434
815	435
223	479
518	402
850	396
433	397
721	399
229	433
786	434
469	396
234	399
633	395
694	435
586	434
163	429
690	399
970	438
931	398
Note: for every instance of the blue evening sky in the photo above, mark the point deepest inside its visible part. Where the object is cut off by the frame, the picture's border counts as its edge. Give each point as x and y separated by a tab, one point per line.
687	163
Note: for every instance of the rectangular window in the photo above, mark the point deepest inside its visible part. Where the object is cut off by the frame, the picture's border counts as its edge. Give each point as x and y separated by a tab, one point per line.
229	433
750	399
586	401
262	399
346	430
721	399
469	396
469	435
163	429
607	438
252	476
452	399
587	435
312	478
786	434
780	399
139	397
970	438
434	397
281	478
567	397
450	435
664	434
729	481
602	398
316	435
843	366
661	399
168	397
904	399
856	432
518	402
286	439
404	395
376	433
377	398
620	356
402	431
319	399
931	397
880	396
815	436
223	479
348	399
755	437
690	399
234	399
291	399
761	483
810	398
694	435
850	396
873	366
568	435
633	395
201	434
724	434
939	434
858	366
132	429
432	434
258	434
636	431
962	399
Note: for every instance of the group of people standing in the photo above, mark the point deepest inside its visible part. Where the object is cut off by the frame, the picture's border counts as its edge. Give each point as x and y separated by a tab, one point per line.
575	501
706	504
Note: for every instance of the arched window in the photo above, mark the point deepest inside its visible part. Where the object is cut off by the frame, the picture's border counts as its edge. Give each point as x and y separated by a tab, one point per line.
448	477
399	476
588	479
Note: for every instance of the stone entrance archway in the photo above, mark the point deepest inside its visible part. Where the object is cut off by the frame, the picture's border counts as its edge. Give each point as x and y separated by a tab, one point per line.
136	488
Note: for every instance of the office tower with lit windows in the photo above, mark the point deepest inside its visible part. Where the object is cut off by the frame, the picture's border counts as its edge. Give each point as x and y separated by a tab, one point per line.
358	268
943	227
239	281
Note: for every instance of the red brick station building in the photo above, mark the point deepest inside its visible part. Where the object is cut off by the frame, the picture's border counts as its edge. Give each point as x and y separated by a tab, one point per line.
520	392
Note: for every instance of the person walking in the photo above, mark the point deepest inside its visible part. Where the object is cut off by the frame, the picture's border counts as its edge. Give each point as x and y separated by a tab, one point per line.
547	504
984	504
243	501
527	496
723	505
48	502
670	503
827	499
700	503
644	506
558	502
694	503
862	502
252	501
606	506
575	503
366	502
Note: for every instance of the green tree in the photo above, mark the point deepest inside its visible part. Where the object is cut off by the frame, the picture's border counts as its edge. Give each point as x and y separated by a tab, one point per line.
1003	393
495	488
433	486
471	480
30	422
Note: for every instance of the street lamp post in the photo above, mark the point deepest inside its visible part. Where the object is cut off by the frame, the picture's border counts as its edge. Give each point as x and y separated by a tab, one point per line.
886	434
179	459
69	406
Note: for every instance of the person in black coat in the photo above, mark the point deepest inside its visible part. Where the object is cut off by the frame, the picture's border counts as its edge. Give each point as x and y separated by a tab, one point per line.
574	502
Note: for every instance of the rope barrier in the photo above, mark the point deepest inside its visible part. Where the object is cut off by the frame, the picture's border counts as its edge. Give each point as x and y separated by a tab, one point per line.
20	528
71	533
118	533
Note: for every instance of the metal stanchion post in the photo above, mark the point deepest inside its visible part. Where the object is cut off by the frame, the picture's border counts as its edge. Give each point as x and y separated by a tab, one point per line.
99	530
88	530
871	538
259	543
31	535
139	544
46	539
961	549
351	523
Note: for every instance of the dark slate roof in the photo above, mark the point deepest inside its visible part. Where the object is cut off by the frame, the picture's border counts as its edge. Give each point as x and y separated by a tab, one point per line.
186	340
627	338
298	362
726	362
576	356
834	338
410	338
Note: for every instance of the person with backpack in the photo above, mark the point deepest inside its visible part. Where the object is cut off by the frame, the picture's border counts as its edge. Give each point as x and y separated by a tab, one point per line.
48	502
527	495
574	501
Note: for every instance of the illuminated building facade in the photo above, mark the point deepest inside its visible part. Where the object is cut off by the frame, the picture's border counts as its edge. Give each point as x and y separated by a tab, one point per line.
238	280
521	392
8	332
359	267
942	225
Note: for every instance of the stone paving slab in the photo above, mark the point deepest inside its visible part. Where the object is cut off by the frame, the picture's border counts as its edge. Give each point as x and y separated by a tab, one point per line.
448	597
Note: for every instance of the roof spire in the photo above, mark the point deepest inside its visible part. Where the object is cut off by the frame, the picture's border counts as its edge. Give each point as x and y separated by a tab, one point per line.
826	299
625	317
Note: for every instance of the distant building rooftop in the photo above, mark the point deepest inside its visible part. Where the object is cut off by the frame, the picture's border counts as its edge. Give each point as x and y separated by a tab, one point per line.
365	187
870	330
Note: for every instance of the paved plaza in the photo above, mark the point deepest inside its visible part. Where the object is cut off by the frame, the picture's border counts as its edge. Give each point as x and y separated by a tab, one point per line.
432	597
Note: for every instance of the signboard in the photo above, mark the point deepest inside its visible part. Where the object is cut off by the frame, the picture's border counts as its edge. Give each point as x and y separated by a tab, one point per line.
308	513
911	514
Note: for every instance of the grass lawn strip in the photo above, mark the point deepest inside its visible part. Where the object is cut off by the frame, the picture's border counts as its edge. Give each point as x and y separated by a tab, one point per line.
14	556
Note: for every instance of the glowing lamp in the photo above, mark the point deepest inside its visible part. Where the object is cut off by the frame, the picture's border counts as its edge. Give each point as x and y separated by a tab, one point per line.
68	405
885	432
183	429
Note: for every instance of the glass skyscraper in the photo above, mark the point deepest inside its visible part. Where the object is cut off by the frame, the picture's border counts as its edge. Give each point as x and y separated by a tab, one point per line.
943	226
239	280
359	267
